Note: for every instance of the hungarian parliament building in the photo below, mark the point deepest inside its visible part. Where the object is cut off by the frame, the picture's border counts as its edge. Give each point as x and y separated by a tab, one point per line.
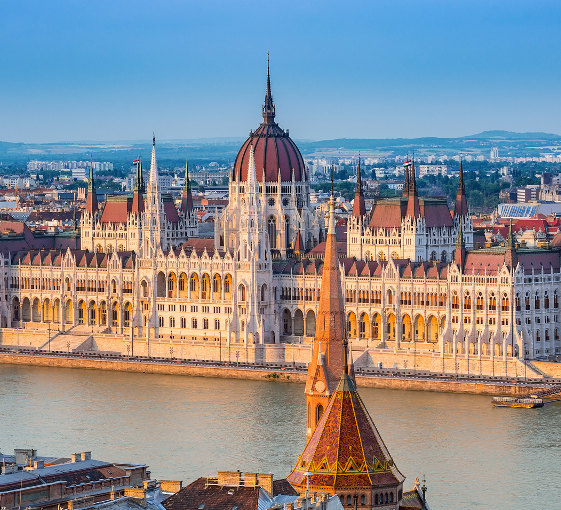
411	275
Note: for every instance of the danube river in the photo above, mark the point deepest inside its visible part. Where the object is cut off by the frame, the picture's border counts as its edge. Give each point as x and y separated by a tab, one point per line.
473	455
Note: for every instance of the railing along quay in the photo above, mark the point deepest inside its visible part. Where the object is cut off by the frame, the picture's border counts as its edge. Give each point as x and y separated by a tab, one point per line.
297	368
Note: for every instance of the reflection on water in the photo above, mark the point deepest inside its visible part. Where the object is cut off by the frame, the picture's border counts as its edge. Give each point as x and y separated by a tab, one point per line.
473	455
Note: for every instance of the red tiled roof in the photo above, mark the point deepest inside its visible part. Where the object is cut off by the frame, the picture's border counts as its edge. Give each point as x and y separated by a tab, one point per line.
345	450
390	212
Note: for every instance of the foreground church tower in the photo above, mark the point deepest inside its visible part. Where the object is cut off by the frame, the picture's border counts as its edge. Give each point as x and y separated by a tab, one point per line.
328	357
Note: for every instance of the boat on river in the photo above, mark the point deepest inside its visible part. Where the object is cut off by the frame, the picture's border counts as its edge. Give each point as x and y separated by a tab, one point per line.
526	402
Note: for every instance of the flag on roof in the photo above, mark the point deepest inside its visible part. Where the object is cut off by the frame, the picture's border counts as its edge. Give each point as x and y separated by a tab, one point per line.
135	161
407	163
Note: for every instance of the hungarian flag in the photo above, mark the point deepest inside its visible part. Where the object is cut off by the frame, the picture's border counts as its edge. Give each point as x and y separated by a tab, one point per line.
407	163
135	162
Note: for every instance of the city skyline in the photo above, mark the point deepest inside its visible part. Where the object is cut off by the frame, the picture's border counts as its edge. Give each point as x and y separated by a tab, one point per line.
188	71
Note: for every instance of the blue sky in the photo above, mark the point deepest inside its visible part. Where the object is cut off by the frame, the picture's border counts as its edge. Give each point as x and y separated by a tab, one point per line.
116	70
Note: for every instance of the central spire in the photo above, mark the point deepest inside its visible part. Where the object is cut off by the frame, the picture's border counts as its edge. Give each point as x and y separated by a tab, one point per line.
268	107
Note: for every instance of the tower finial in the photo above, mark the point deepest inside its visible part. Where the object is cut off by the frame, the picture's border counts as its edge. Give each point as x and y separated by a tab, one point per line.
268	107
332	193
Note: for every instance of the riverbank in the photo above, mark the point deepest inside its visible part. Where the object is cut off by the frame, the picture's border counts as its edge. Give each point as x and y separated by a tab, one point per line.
285	374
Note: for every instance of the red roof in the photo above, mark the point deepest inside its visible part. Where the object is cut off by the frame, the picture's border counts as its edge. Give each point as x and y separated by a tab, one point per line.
390	212
346	450
274	150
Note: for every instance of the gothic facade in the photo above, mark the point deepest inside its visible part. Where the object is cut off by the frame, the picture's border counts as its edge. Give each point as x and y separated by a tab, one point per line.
410	277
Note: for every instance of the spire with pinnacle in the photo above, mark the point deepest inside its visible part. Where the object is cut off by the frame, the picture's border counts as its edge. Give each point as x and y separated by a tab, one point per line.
153	180
510	249
413	207
359	207
328	358
406	182
461	208
269	106
91	202
137	197
186	196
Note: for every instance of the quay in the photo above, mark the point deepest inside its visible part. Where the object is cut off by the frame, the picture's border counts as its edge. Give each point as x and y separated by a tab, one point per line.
366	377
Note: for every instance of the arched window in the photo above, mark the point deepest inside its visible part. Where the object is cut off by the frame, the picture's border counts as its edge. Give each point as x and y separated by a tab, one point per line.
241	292
505	303
362	499
272	230
319	413
492	302
537	301
479	304
527	300
467	301
546	300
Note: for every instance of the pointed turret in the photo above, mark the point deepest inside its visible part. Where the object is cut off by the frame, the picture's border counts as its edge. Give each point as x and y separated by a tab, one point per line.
328	358
461	208
511	258
269	106
406	182
413	207
460	252
153	179
91	202
186	195
137	197
359	207
346	452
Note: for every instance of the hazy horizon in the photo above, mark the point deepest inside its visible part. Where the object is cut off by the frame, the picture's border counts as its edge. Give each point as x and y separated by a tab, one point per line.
190	70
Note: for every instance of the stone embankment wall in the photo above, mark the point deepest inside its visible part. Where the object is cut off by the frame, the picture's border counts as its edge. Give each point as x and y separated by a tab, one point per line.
81	339
256	374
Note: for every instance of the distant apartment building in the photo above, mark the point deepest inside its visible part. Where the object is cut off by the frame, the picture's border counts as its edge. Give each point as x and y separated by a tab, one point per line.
494	156
529	193
433	170
14	181
35	165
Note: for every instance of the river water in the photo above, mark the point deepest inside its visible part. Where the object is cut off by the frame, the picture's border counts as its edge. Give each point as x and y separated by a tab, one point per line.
473	455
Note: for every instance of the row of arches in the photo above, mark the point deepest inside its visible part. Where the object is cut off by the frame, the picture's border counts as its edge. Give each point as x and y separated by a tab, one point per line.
418	330
194	287
90	313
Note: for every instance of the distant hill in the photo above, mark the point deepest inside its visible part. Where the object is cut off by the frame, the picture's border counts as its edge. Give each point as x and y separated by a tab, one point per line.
508	142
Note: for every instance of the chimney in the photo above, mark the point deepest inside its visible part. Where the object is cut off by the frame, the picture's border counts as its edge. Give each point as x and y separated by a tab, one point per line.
266	481
38	464
232	478
76	457
86	455
250	479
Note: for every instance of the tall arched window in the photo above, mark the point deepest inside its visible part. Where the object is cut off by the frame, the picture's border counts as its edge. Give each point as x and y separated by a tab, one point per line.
272	230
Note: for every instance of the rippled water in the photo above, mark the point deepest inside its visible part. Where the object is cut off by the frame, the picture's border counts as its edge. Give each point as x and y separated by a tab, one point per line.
473	455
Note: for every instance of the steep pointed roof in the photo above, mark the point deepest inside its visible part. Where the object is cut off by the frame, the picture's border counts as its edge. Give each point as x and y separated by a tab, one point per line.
406	182
461	207
137	197
153	179
327	363
186	195
91	202
413	207
359	207
511	258
346	449
268	106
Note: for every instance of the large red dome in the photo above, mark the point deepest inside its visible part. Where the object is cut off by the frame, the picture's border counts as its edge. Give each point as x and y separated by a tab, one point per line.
274	150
